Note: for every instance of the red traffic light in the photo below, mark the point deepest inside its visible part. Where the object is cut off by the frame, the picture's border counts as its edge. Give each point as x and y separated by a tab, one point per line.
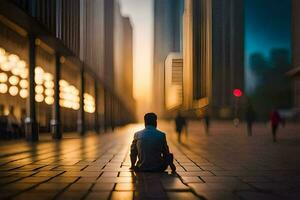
237	93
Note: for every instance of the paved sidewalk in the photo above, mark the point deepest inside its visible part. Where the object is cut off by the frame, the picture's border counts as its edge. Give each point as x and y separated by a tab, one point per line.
226	164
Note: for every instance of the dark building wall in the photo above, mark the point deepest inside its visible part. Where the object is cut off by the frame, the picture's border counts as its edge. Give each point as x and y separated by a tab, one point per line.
109	6
92	35
228	52
44	11
128	54
60	17
296	33
296	52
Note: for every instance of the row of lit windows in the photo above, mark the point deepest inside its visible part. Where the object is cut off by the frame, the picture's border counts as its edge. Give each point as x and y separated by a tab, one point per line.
14	80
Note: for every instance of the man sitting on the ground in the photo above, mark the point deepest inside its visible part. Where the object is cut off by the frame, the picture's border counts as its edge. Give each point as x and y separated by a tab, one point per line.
151	148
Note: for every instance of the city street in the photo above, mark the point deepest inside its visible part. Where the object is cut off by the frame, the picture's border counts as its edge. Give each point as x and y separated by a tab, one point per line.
226	164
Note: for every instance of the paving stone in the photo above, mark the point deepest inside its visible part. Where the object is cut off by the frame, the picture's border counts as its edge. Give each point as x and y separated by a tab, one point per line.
74	195
182	195
51	187
125	187
188	179
174	185
98	196
103	187
109	174
116	179
79	187
122	195
63	179
258	196
35	195
16	187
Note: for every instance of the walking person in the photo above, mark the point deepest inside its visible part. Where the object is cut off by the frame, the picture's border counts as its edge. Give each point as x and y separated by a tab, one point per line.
180	123
250	118
275	120
207	123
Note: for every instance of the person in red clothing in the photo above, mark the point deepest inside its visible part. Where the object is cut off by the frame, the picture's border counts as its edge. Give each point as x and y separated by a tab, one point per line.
275	120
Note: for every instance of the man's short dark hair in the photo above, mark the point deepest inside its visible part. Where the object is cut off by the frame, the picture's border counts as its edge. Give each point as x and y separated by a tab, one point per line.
150	119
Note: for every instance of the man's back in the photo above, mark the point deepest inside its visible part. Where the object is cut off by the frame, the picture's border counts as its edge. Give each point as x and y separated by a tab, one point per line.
150	146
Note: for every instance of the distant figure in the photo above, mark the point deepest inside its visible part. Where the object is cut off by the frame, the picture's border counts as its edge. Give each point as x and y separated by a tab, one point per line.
250	118
275	120
207	122
13	124
180	123
150	147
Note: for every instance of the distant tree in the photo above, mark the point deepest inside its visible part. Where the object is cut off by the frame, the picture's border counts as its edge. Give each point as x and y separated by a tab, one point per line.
274	87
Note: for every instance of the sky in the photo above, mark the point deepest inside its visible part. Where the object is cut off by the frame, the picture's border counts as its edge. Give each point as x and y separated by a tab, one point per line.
141	15
267	26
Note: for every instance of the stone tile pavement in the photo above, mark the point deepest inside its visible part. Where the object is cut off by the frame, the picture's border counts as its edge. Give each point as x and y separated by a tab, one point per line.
225	164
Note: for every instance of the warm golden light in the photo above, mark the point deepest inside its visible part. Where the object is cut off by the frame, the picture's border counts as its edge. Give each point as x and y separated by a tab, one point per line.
63	83
23	83
21	64
39	98
2	59
15	71
38	70
75	106
49	84
6	66
13	90
23	93
68	95
3	88
49	100
89	103
24	73
13	58
3	77
13	80
49	92
2	51
38	80
48	77
39	89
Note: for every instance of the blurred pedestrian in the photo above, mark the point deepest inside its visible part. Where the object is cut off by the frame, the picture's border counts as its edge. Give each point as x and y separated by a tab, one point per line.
207	122
275	120
250	118
180	123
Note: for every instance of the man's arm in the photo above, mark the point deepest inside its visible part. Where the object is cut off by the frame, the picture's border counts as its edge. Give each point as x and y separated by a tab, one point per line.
165	150
133	152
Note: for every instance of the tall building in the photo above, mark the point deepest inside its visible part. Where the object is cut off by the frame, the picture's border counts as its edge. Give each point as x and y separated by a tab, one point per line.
127	75
197	56
173	83
123	61
57	66
213	55
167	39
228	54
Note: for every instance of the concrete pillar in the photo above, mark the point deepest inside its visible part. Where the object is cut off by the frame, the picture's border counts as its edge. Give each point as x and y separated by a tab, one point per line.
81	124
112	113
56	121
31	125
